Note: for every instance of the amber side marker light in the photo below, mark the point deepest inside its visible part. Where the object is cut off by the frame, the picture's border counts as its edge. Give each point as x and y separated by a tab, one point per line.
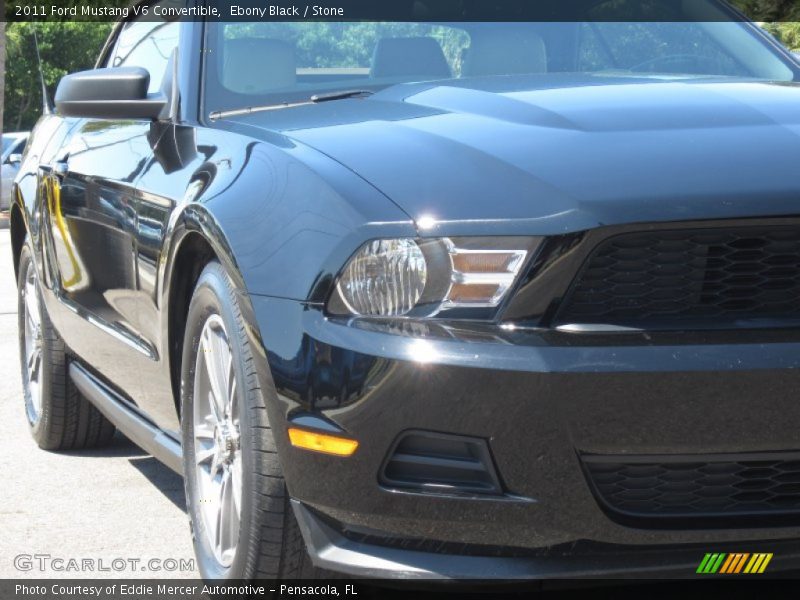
320	442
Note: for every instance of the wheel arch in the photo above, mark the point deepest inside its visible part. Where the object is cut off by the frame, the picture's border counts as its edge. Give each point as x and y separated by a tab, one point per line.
194	241
18	232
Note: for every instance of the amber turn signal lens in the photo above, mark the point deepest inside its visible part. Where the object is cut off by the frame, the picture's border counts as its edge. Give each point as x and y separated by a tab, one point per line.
489	293
320	442
487	262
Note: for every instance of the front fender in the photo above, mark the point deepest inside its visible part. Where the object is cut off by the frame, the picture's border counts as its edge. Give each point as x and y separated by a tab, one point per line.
293	216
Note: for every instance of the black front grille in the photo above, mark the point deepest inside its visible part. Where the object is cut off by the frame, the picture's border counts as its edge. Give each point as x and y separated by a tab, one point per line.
643	490
706	276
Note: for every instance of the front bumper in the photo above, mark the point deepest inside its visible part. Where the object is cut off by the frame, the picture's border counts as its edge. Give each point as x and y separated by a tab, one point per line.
540	405
331	550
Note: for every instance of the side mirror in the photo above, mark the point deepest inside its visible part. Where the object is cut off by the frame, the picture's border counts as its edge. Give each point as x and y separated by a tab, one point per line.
14	159
118	93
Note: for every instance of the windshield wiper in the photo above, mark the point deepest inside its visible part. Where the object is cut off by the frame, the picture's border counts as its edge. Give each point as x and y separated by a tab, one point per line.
315	99
343	95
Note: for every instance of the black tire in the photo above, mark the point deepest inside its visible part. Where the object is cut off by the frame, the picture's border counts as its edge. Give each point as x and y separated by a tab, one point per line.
269	545
65	420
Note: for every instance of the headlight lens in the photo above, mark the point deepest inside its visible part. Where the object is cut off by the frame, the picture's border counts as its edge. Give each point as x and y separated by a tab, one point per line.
385	278
393	278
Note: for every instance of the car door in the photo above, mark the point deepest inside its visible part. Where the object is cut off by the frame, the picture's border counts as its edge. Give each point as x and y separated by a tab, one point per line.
93	224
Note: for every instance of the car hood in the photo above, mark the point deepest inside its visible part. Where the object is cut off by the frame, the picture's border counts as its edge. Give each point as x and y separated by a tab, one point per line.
557	154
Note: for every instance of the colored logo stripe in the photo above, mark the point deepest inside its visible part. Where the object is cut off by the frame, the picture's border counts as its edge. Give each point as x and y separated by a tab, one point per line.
711	563
734	563
758	563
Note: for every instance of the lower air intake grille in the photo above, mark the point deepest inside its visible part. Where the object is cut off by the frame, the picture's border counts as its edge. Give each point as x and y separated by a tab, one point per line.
743	488
706	276
440	463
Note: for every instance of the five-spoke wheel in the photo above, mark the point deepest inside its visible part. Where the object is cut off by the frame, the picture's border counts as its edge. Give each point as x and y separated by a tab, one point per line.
236	497
217	447
32	332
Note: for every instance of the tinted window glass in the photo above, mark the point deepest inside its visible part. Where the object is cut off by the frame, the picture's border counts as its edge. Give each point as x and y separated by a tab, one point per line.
148	45
656	48
298	60
318	55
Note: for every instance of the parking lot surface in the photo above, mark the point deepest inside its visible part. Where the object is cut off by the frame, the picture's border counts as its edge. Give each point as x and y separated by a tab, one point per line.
116	508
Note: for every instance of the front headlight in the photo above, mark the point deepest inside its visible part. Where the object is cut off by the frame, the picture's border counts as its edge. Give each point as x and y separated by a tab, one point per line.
407	277
385	277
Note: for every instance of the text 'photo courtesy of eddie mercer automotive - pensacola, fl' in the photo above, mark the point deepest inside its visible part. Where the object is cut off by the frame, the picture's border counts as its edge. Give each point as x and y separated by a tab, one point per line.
436	290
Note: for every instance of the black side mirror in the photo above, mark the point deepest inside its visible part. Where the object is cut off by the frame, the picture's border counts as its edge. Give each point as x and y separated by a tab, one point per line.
118	93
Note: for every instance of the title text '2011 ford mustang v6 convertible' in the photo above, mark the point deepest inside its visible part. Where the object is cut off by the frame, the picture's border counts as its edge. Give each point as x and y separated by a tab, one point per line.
431	299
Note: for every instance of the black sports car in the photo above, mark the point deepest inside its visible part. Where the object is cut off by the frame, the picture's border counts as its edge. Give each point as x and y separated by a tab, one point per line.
431	298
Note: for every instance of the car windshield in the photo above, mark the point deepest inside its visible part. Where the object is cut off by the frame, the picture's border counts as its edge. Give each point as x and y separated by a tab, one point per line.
268	63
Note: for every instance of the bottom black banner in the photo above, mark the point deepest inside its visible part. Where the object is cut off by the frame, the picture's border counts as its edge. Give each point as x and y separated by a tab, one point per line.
193	589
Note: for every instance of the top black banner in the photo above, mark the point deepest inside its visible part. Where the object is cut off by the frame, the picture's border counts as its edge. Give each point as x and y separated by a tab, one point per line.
405	10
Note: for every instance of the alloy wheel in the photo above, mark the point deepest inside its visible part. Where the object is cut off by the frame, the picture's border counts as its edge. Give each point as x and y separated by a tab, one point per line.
217	449
33	345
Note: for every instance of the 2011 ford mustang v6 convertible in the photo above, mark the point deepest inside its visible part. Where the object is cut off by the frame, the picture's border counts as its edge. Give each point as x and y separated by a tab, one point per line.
431	299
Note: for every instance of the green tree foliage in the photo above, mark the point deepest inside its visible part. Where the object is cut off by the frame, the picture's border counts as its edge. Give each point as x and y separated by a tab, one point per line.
2	70
780	17
787	33
769	10
65	48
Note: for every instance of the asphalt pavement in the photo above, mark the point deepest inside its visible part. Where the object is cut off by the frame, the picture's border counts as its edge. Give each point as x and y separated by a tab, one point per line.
111	512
